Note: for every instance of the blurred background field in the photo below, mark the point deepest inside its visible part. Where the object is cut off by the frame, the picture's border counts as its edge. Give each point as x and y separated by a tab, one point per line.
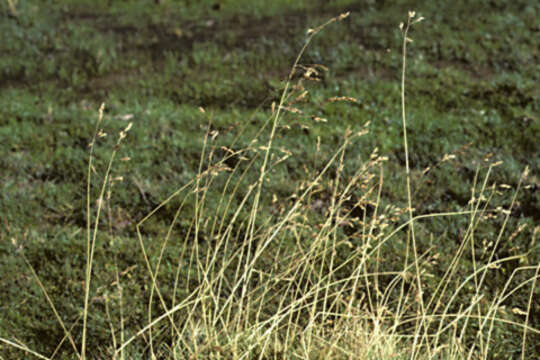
181	69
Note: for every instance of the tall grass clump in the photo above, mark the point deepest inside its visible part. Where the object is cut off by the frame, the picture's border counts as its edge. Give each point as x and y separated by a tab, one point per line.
326	269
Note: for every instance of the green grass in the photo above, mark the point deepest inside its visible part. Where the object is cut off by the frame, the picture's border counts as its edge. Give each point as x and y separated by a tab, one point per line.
336	277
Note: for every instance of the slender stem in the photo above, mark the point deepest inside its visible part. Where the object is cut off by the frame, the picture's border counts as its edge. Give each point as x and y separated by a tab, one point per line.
408	173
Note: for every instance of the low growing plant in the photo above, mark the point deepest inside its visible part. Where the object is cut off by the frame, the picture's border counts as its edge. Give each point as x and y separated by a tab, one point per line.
326	269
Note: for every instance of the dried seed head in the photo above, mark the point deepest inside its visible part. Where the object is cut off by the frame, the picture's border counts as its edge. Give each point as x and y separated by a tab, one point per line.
125	117
518	311
344	15
447	157
319	119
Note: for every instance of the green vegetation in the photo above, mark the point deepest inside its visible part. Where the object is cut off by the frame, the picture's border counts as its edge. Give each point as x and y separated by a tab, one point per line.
317	260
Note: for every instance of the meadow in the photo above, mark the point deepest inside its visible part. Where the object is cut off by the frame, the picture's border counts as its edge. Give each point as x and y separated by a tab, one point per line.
254	180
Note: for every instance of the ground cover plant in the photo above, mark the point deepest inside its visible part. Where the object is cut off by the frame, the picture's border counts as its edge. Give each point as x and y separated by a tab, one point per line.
246	216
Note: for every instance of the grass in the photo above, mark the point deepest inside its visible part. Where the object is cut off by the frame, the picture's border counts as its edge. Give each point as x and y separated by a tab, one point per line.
288	236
